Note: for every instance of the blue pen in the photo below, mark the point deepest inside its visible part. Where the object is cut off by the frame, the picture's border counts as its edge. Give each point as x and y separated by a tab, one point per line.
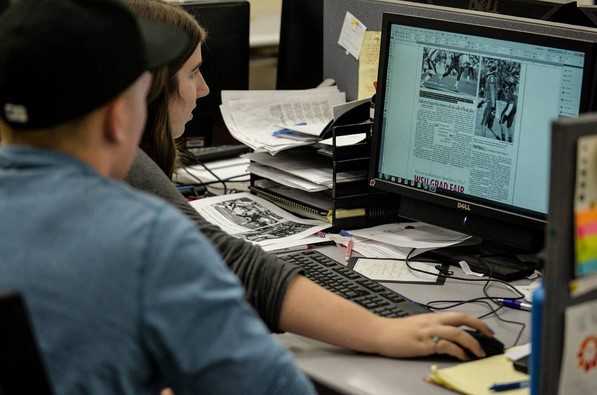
516	304
510	386
344	233
286	131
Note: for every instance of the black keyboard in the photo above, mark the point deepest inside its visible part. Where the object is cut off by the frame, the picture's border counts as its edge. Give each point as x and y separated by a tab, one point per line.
217	152
354	286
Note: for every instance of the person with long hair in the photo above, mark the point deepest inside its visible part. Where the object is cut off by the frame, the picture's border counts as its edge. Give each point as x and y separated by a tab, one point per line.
286	300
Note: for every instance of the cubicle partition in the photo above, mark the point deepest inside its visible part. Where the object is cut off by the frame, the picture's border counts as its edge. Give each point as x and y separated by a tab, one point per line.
343	68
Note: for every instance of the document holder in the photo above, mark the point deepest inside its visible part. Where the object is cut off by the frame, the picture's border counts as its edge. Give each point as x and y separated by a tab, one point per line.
348	204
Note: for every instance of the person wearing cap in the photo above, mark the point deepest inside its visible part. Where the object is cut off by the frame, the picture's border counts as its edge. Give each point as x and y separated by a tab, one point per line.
285	300
125	296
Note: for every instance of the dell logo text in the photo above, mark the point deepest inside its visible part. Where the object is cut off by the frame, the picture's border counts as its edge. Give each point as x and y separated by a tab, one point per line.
463	206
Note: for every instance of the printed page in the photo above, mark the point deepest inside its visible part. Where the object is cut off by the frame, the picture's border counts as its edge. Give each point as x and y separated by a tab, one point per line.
254	219
253	116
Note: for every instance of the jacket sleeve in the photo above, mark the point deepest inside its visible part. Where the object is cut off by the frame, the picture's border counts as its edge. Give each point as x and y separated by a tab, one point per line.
264	276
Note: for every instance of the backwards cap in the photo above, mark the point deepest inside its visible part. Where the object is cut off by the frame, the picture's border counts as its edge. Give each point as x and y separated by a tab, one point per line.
60	59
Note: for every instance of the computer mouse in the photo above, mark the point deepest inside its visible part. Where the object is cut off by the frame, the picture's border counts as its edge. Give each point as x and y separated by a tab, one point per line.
490	345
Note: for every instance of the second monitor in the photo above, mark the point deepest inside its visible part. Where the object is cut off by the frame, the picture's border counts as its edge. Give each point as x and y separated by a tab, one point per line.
465	105
225	66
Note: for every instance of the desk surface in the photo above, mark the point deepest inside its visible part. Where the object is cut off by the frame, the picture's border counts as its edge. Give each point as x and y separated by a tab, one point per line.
354	373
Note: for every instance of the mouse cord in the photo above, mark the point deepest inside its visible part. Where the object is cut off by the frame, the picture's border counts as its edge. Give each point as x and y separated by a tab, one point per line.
483	300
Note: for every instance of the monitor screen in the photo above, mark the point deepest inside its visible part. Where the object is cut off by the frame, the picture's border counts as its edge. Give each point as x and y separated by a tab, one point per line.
462	123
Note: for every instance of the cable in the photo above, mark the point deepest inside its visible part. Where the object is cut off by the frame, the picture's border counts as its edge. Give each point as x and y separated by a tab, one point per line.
218	180
484	300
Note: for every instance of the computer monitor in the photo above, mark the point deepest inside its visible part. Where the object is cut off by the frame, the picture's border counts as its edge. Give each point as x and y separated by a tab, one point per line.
300	51
568	265
463	110
225	66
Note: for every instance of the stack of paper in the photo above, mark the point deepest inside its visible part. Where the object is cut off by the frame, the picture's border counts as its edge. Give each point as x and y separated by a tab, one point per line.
304	170
253	116
398	240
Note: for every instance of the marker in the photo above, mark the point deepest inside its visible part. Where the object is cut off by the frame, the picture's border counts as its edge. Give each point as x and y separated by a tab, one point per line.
292	249
348	250
516	304
510	386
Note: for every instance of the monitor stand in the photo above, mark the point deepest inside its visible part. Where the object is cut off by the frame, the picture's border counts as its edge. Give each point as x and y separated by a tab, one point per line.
507	263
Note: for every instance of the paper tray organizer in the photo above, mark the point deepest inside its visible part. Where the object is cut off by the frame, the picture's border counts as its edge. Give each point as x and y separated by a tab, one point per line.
349	204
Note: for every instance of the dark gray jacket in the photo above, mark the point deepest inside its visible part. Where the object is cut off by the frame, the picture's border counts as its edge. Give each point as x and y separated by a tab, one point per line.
264	276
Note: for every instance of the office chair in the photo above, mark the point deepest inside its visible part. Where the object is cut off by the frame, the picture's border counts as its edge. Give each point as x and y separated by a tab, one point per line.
22	371
300	51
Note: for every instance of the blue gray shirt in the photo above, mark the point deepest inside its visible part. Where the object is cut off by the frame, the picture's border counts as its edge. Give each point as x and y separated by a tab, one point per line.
118	299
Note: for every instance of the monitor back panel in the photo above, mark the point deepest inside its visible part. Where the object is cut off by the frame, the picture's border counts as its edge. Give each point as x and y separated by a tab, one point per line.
300	52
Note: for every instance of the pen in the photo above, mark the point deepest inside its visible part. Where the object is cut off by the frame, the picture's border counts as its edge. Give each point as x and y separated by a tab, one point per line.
348	250
288	132
516	304
510	386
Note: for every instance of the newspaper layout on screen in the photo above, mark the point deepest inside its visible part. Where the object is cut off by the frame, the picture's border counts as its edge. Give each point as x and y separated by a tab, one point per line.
471	114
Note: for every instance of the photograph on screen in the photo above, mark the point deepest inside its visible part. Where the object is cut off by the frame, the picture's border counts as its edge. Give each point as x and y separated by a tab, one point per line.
498	94
443	70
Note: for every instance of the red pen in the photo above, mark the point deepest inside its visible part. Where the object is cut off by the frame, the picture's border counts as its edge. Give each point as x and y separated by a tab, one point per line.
348	250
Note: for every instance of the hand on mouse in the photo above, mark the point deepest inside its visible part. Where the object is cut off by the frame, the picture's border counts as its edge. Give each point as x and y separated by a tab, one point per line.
428	334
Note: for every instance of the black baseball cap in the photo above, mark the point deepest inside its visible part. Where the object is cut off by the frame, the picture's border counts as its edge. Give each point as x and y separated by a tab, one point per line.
60	59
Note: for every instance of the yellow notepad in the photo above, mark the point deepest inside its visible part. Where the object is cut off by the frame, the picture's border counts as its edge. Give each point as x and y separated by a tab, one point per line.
475	377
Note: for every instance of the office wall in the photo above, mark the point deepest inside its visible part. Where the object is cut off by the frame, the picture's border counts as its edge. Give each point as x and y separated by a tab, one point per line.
336	63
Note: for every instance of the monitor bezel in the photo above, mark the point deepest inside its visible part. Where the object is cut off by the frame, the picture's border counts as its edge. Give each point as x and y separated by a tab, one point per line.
465	213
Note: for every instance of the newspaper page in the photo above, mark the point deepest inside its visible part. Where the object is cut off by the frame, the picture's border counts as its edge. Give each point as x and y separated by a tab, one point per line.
253	116
463	92
256	220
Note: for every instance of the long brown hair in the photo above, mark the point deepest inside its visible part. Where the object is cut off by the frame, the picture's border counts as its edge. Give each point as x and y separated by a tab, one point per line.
157	140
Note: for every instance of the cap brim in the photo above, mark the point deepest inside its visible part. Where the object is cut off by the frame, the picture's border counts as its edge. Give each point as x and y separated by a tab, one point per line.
164	42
